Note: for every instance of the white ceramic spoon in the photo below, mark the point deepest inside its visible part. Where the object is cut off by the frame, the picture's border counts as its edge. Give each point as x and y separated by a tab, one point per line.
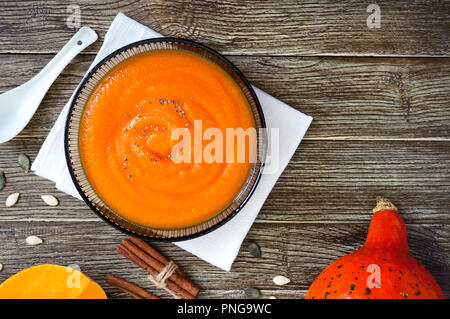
18	105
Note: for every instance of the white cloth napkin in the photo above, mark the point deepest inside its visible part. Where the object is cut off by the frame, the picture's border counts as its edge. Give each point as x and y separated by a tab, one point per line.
221	246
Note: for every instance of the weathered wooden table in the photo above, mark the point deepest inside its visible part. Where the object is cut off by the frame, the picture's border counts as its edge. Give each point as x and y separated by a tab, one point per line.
380	102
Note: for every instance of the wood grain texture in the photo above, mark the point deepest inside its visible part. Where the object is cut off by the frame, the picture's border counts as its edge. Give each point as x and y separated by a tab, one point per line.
299	252
380	102
408	28
326	181
349	98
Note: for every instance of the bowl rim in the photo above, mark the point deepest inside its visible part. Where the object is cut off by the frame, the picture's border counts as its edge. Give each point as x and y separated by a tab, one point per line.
88	76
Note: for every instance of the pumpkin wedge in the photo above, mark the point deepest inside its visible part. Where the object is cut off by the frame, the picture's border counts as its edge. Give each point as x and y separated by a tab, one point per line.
50	282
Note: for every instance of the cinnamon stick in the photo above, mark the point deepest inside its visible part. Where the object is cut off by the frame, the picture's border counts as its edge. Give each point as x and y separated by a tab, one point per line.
138	261
127	254
149	250
130	288
149	259
154	253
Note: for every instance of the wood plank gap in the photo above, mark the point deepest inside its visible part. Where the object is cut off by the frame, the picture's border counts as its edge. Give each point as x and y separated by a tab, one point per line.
378	138
331	56
257	221
325	138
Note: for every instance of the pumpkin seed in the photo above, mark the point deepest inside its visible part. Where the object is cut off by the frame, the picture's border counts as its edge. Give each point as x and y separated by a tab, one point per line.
273	297
33	240
252	293
1	267
254	249
50	200
281	280
24	162
12	199
2	180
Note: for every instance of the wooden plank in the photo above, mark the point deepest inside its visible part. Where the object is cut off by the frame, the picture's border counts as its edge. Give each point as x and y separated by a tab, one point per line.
357	98
408	28
380	127
91	246
326	181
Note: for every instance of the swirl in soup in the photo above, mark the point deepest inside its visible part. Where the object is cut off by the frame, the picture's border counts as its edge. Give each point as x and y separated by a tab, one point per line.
126	139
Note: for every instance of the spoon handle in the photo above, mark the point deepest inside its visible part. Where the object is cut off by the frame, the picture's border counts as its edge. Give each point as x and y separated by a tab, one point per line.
82	39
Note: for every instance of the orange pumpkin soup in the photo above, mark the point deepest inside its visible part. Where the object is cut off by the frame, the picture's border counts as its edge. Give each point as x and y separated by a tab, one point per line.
126	138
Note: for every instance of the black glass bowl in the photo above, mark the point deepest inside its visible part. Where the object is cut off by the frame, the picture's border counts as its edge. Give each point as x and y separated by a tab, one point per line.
73	153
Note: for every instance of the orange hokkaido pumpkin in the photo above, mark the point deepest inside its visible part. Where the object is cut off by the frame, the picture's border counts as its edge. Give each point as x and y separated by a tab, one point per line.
382	269
50	282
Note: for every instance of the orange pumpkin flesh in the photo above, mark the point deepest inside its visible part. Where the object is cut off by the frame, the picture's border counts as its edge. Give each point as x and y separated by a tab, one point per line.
50	282
382	269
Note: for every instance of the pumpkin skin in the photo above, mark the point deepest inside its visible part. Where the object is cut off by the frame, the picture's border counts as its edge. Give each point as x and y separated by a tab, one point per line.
50	282
382	269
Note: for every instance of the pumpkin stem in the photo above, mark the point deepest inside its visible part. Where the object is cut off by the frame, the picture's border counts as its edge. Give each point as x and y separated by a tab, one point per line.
387	230
384	204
